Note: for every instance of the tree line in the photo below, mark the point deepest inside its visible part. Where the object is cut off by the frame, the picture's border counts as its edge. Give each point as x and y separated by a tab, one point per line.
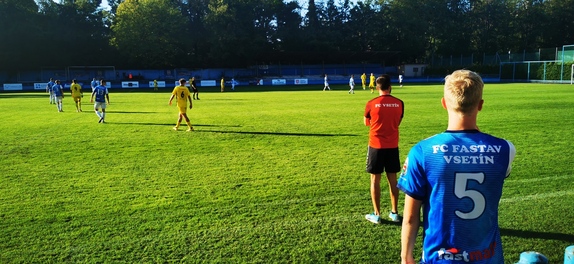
240	33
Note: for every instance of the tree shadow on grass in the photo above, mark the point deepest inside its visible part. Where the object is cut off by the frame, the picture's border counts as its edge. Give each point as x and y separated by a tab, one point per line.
534	234
130	112
24	95
166	124
235	132
276	133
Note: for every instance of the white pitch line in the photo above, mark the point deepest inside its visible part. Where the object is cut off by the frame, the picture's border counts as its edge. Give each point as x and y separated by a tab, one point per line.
537	196
512	180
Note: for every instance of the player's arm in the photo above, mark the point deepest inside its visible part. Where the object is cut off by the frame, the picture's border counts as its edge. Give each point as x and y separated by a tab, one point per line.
367	121
92	97
171	98
411	223
108	97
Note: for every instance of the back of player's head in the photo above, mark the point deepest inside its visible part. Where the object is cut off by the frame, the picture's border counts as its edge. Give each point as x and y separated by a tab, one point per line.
384	82
102	82
181	81
74	81
463	91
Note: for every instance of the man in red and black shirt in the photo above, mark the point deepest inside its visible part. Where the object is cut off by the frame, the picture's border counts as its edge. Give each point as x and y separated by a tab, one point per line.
384	115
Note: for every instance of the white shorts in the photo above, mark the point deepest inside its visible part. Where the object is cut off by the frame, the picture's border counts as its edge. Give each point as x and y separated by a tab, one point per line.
99	105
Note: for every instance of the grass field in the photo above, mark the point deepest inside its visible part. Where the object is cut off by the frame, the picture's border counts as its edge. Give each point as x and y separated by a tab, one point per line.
267	177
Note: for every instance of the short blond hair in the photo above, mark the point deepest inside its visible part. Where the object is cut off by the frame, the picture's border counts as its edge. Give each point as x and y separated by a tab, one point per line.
463	91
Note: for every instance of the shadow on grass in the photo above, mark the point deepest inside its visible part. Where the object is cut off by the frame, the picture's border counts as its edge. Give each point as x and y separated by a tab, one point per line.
130	112
275	133
234	132
166	124
534	234
25	95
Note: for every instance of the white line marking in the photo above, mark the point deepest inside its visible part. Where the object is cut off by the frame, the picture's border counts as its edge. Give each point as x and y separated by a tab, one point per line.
537	196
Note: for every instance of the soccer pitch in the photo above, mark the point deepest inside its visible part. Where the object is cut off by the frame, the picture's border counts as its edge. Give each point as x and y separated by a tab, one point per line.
267	177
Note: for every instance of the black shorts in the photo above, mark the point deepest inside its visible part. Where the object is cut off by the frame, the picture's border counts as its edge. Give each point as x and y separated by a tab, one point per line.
383	160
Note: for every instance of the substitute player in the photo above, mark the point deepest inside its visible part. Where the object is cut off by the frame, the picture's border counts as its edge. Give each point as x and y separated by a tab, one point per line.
372	83
101	94
457	178
383	115
76	92
182	94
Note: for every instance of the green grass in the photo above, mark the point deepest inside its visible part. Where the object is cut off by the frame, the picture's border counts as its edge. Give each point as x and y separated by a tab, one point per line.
267	177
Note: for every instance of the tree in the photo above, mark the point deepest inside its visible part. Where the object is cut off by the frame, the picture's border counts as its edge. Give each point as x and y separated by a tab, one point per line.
19	33
146	33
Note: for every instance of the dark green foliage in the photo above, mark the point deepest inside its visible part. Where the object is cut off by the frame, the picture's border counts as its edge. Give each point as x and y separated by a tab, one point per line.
228	33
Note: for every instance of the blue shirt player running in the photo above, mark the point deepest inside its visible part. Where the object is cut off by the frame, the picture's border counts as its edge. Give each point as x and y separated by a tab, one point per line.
457	178
101	94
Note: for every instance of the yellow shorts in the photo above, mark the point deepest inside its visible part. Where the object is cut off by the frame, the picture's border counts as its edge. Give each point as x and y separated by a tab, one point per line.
182	110
77	98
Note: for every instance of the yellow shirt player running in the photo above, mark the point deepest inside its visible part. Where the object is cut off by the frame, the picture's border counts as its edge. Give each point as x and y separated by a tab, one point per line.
182	94
372	83
364	80
76	91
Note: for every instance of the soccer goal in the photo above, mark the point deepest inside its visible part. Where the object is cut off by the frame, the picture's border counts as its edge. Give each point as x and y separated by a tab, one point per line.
86	73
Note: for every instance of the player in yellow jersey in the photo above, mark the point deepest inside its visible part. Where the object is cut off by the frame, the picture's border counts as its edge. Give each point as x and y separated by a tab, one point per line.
364	81
372	83
182	93
222	84
76	92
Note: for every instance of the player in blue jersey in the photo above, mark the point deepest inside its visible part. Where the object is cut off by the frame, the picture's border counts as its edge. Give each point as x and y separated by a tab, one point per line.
49	90
101	94
58	94
94	83
457	178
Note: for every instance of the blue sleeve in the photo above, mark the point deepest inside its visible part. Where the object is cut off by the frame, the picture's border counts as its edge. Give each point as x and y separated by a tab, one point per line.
413	180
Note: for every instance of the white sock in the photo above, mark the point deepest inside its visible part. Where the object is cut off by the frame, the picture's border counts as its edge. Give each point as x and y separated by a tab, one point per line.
98	114
103	115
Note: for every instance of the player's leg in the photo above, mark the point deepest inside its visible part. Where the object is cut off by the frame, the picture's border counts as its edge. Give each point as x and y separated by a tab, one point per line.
393	191
190	128
375	167
103	112
59	104
97	110
179	118
376	193
393	166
